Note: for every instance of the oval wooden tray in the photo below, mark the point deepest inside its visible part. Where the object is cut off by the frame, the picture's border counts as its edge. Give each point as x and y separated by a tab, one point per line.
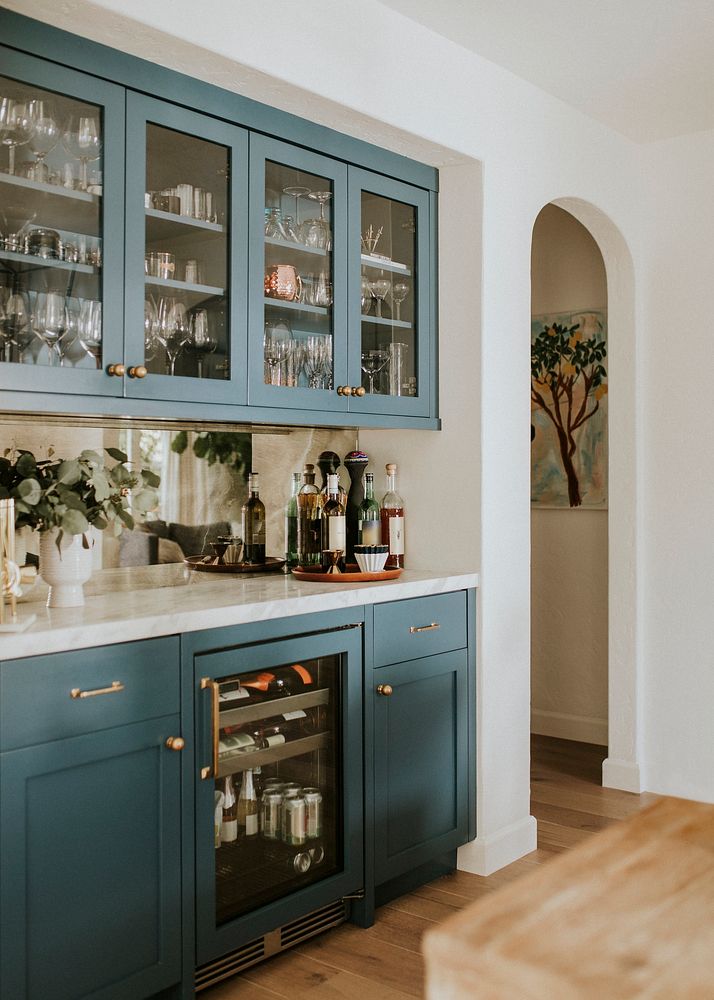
198	563
349	576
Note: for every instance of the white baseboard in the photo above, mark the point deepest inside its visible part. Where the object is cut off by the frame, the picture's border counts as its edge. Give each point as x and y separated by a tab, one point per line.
582	728
486	855
622	774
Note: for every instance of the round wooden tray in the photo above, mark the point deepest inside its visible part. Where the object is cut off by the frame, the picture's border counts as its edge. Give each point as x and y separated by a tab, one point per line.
199	563
352	574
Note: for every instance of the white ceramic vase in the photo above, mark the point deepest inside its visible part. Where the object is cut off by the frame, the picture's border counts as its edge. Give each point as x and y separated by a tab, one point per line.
67	570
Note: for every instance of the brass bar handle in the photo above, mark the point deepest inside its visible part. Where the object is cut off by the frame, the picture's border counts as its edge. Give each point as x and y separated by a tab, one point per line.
385	690
115	687
424	628
210	685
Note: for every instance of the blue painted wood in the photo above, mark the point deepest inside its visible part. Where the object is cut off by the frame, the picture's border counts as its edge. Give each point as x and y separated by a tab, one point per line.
471	700
35	702
213	941
110	100
421	762
90	854
263	150
141	111
413	406
394	641
41	39
434	301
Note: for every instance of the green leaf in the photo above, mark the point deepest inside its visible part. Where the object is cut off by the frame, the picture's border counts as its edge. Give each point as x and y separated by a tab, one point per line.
69	472
26	464
150	478
117	455
125	517
121	476
92	458
29	491
100	523
180	443
74	522
71	499
144	501
102	489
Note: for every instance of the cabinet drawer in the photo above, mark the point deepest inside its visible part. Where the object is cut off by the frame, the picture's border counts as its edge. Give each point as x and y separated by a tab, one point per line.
36	694
420	626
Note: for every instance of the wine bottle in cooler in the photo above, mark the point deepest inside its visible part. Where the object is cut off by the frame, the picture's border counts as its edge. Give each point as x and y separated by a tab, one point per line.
334	528
309	526
248	806
229	824
253	518
369	525
291	522
392	513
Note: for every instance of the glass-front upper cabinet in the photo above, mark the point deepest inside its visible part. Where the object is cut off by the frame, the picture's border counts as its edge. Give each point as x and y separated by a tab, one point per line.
187	185
389	296
61	254
298	278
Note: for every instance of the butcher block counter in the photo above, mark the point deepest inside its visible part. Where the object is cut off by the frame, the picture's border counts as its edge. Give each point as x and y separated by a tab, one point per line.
628	914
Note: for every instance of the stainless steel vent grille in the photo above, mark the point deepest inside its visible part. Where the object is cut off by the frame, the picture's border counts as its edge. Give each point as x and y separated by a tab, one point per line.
271	944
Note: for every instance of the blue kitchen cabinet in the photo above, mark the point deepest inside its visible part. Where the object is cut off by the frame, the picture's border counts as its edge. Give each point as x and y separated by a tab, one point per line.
90	844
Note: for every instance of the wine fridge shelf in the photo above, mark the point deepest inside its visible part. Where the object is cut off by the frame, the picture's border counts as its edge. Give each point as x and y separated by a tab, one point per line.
257	711
247	760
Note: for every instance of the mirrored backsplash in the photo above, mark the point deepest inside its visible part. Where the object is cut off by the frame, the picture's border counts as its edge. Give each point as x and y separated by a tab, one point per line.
203	473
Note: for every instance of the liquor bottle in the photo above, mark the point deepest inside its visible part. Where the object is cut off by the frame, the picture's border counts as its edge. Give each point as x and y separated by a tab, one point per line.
369	530
328	463
334	529
355	463
229	823
253	518
392	513
291	520
248	806
309	533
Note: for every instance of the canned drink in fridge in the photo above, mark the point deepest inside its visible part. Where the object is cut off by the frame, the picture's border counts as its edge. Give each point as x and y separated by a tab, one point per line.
294	821
292	786
313	813
317	854
271	815
300	863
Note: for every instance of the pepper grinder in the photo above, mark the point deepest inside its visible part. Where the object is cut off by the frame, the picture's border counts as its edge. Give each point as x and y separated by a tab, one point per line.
355	463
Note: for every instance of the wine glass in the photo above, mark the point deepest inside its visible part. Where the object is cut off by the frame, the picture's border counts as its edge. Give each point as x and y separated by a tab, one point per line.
276	344
90	329
374	362
5	331
15	127
82	139
400	290
172	329
318	361
49	321
17	326
294	362
297	191
151	340
379	289
44	138
365	294
316	232
202	340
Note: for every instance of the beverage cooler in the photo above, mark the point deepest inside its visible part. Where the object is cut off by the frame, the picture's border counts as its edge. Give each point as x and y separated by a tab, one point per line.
279	817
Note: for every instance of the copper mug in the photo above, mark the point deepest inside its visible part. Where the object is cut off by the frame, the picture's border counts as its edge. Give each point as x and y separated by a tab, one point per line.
283	282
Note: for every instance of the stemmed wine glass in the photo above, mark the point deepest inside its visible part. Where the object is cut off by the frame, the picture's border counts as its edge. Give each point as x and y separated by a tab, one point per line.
316	232
294	362
374	362
151	340
297	191
365	294
202	340
276	344
318	361
379	289
17	326
90	329
15	127
49	321
83	140
44	138
400	290
172	329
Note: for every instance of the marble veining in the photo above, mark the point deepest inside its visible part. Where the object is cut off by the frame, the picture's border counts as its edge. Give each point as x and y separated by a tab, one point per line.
125	605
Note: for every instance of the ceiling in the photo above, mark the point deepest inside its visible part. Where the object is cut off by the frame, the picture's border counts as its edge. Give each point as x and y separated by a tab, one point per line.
643	67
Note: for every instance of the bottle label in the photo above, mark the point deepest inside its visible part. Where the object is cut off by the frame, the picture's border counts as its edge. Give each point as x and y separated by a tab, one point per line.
370	532
297	714
233	695
396	536
337	534
251	825
229	830
276	740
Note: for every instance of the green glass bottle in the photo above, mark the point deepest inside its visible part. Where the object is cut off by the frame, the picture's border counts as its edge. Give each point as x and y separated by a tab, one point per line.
369	531
291	523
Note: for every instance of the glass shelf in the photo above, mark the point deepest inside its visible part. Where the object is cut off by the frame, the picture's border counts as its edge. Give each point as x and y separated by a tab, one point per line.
378	264
296	306
384	321
50	205
203	291
166	225
23	262
295	247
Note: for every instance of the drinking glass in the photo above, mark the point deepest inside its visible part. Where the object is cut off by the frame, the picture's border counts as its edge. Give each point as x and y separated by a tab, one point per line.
318	361
400	290
5	332
297	191
202	340
365	295
322	291
90	329
276	344
379	288
172	330
294	362
151	340
49	321
15	127
17	326
44	138
316	233
374	362
82	139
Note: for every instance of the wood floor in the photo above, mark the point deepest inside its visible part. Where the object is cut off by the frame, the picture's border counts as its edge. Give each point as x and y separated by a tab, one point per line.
384	962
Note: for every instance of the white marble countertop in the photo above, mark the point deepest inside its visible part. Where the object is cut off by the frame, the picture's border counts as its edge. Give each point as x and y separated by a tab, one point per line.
128	604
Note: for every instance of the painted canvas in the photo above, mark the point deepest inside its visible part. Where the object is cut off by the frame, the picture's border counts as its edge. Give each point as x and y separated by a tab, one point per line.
569	409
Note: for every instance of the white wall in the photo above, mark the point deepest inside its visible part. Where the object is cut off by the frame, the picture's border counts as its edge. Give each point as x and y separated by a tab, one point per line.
569	561
383	77
678	444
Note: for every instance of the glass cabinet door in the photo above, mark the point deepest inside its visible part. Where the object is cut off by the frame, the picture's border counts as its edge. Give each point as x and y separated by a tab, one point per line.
389	295
186	212
61	181
298	278
279	814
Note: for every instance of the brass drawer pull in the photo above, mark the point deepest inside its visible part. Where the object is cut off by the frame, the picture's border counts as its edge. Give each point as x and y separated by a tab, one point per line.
79	693
424	628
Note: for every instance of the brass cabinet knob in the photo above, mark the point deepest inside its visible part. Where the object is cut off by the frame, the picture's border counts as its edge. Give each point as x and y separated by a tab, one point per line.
118	370
137	371
358	390
385	690
344	390
175	742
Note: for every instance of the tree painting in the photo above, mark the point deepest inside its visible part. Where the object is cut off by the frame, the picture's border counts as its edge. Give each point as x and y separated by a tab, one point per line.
568	385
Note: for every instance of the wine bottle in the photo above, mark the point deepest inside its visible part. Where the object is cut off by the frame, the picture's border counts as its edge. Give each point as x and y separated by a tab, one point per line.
253	518
369	530
355	463
328	463
309	527
229	823
334	529
248	806
392	514
291	520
